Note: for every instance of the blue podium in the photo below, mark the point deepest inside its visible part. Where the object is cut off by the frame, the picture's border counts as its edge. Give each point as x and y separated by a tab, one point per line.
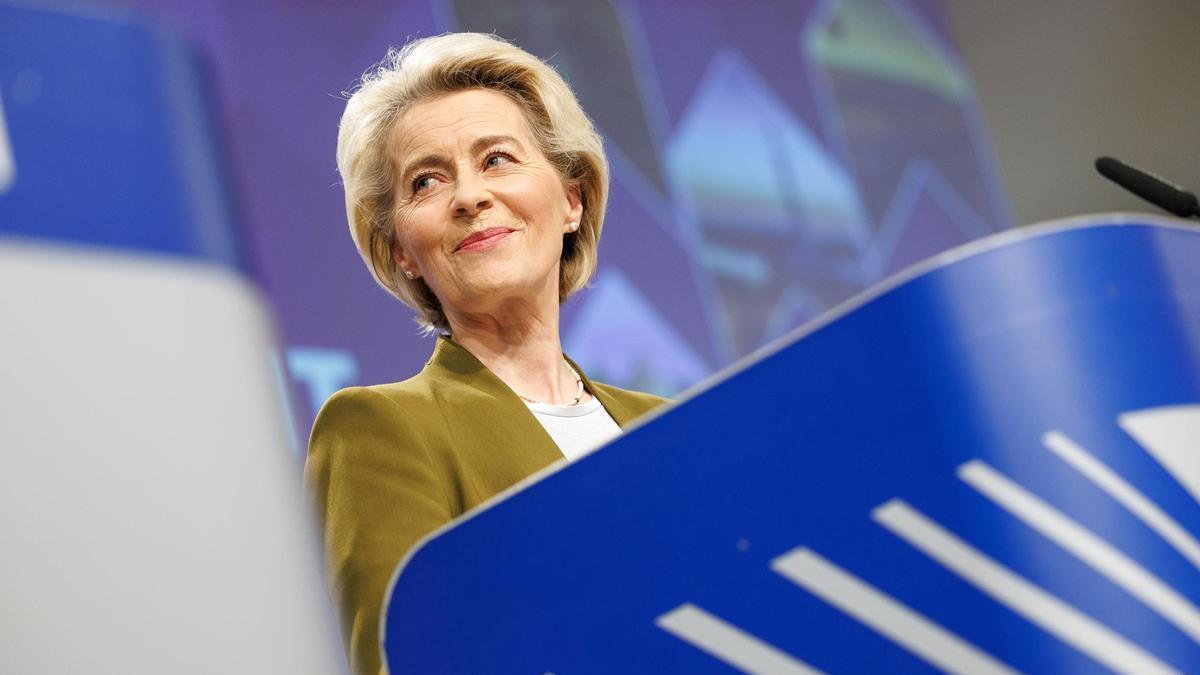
988	464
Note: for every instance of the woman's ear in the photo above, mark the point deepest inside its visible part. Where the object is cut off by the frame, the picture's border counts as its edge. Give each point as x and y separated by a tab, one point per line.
406	267
574	209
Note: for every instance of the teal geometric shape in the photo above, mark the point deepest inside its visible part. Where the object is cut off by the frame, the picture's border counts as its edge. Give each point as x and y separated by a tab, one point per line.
776	218
869	37
744	161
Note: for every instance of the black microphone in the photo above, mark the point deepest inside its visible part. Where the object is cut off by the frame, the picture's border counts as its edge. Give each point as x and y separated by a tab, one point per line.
1153	189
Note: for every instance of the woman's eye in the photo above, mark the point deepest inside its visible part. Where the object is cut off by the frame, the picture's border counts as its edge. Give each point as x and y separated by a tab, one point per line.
496	159
423	182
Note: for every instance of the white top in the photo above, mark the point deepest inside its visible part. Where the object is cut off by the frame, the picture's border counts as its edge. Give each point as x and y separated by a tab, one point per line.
576	429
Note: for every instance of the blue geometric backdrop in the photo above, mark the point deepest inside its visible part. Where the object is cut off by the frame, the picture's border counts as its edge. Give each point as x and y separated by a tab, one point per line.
770	159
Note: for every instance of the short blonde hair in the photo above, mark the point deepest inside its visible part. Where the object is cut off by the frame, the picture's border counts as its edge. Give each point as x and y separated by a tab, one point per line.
433	66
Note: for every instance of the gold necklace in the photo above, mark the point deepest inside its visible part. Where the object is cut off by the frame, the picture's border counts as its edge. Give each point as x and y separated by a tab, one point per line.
578	388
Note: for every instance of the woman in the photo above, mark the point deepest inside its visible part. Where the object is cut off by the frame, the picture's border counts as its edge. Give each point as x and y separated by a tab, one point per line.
475	190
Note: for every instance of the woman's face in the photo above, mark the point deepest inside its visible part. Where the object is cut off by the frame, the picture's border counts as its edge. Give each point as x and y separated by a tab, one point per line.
481	212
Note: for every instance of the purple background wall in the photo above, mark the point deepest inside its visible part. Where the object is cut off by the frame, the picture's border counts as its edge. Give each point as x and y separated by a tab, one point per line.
770	160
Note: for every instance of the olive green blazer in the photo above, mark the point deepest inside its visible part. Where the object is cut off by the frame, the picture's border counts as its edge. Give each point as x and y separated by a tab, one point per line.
388	464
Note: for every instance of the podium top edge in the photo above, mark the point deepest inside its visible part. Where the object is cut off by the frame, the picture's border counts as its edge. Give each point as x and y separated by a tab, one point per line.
920	269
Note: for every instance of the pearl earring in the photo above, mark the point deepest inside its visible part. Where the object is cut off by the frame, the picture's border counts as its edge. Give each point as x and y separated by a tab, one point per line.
572	226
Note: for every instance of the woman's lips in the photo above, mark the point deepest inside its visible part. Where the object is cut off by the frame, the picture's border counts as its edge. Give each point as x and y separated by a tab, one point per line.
484	239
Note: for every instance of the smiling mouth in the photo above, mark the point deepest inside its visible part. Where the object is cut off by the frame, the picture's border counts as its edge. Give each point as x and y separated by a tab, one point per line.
484	239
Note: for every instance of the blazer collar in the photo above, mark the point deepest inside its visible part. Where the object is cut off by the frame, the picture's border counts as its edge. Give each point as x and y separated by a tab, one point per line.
452	361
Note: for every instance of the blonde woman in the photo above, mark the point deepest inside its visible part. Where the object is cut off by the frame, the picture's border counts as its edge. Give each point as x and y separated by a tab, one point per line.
475	191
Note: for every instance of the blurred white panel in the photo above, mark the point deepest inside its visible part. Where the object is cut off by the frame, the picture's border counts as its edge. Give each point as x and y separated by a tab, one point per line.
150	509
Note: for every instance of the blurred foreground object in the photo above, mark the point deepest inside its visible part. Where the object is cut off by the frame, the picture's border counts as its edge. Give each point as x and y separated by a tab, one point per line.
149	496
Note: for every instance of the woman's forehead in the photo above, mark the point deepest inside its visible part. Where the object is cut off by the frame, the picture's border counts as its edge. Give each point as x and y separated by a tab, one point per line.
455	121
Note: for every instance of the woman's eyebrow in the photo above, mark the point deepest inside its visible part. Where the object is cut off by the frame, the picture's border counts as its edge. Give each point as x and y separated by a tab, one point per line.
432	159
485	142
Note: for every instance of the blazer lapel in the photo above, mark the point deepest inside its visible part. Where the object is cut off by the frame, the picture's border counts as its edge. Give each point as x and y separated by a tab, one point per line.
489	410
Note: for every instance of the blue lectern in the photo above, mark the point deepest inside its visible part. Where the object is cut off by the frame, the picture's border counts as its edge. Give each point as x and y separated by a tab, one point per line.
988	464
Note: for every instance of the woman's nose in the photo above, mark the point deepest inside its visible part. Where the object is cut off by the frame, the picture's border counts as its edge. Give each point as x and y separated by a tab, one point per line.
471	195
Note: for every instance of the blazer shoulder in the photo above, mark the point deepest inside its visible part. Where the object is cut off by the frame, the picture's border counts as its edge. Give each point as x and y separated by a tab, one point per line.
388	404
415	391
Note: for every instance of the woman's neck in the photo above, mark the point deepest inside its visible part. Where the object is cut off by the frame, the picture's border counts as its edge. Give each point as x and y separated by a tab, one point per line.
522	348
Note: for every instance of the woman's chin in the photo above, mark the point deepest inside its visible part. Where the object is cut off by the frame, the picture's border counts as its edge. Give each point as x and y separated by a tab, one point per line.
500	286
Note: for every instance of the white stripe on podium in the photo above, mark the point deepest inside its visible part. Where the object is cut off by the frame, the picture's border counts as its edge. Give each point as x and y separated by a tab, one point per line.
885	615
1085	545
729	643
1015	592
1125	494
